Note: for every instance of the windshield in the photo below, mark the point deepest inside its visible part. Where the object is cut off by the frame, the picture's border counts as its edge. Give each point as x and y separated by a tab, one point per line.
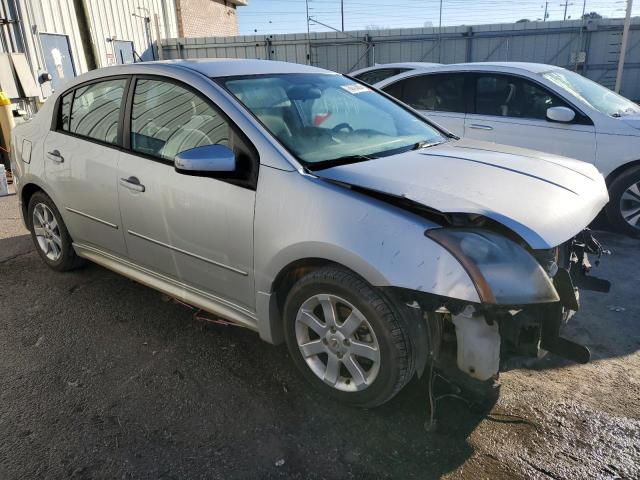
599	97
326	119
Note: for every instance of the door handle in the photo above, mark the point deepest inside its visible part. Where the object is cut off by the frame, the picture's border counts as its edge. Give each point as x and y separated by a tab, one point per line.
55	156
480	127
132	183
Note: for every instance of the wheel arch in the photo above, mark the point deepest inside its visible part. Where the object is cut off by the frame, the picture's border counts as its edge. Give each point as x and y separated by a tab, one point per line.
620	170
270	304
26	192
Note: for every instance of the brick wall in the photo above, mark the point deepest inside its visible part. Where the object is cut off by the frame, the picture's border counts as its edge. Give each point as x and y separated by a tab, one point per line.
206	18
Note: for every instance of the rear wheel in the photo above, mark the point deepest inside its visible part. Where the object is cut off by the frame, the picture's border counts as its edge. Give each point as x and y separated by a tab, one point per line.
346	338
623	210
50	235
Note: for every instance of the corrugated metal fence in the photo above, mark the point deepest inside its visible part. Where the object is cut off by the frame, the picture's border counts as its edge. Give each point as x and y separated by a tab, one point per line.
556	43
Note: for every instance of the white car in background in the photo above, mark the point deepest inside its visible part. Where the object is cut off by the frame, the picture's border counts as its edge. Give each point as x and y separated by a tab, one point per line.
537	106
380	72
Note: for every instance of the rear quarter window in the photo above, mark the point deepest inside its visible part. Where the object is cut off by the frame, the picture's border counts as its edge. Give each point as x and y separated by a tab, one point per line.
95	110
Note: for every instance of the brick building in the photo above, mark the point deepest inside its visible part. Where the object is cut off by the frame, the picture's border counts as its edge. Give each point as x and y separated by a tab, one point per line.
208	18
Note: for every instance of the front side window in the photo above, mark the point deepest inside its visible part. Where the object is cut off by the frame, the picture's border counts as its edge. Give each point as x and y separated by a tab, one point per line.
593	94
329	118
509	96
167	119
442	92
96	110
375	76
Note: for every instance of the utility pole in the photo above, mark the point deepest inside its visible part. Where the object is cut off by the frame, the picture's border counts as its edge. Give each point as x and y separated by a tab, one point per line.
566	5
440	35
546	9
341	13
309	35
623	47
580	46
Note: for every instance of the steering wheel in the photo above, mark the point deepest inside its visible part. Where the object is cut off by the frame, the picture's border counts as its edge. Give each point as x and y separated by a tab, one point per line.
342	126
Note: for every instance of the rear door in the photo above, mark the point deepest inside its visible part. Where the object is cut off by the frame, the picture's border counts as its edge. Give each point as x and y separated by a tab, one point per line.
439	96
196	229
81	159
512	110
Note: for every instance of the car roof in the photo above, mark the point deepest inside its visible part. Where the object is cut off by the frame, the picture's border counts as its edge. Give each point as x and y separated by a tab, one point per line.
528	66
382	66
221	67
508	67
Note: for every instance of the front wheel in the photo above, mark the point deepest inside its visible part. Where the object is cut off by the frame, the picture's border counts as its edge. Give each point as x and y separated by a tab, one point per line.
623	210
346	338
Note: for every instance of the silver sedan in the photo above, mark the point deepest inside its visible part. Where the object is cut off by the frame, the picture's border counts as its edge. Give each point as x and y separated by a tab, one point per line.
314	210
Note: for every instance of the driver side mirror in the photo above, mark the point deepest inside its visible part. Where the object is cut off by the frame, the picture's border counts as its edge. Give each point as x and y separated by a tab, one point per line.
207	159
561	114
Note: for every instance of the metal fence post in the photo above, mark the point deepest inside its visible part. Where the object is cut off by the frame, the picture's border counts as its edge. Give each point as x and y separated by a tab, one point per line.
623	47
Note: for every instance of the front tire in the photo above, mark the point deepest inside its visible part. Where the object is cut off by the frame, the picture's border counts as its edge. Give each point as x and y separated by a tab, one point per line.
346	338
50	235
623	210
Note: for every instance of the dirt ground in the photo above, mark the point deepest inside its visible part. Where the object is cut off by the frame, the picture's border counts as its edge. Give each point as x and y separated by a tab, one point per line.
101	377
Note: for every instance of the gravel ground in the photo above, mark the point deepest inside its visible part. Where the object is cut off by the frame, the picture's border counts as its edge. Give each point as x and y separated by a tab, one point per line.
101	377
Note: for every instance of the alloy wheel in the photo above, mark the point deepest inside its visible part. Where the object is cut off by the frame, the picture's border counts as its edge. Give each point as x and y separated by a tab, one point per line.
630	205
337	343
47	232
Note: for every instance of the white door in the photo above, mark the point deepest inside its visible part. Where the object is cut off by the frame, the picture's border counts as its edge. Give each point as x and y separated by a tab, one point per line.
439	97
512	110
81	157
196	229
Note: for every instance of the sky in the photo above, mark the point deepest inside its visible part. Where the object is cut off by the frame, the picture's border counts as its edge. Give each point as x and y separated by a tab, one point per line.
288	16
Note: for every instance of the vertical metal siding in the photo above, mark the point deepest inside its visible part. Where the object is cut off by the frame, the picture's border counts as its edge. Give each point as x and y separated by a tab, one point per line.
541	42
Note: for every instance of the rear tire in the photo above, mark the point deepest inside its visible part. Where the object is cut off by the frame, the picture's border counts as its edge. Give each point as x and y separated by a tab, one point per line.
364	323
50	235
624	201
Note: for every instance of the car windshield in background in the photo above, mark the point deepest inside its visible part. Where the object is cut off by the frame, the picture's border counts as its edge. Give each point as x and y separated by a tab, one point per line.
599	97
326	120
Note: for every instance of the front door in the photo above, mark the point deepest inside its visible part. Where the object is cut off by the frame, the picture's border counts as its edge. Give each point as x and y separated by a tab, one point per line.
81	159
195	229
512	110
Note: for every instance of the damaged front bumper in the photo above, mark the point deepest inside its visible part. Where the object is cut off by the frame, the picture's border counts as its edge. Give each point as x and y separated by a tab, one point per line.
488	334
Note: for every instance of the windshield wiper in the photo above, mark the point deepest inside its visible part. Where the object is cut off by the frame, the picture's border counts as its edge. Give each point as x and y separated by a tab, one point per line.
334	162
425	144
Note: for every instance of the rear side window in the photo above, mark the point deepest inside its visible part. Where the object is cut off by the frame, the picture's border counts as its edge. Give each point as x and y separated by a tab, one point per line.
442	92
375	76
96	110
167	119
509	96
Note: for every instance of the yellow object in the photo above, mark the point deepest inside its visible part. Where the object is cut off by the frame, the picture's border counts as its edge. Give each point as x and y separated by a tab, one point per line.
6	119
4	100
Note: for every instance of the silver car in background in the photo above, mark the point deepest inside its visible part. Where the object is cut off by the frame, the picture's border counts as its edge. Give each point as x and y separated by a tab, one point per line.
310	208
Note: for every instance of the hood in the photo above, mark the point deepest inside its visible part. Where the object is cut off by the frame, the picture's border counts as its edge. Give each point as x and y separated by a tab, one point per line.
632	120
545	199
